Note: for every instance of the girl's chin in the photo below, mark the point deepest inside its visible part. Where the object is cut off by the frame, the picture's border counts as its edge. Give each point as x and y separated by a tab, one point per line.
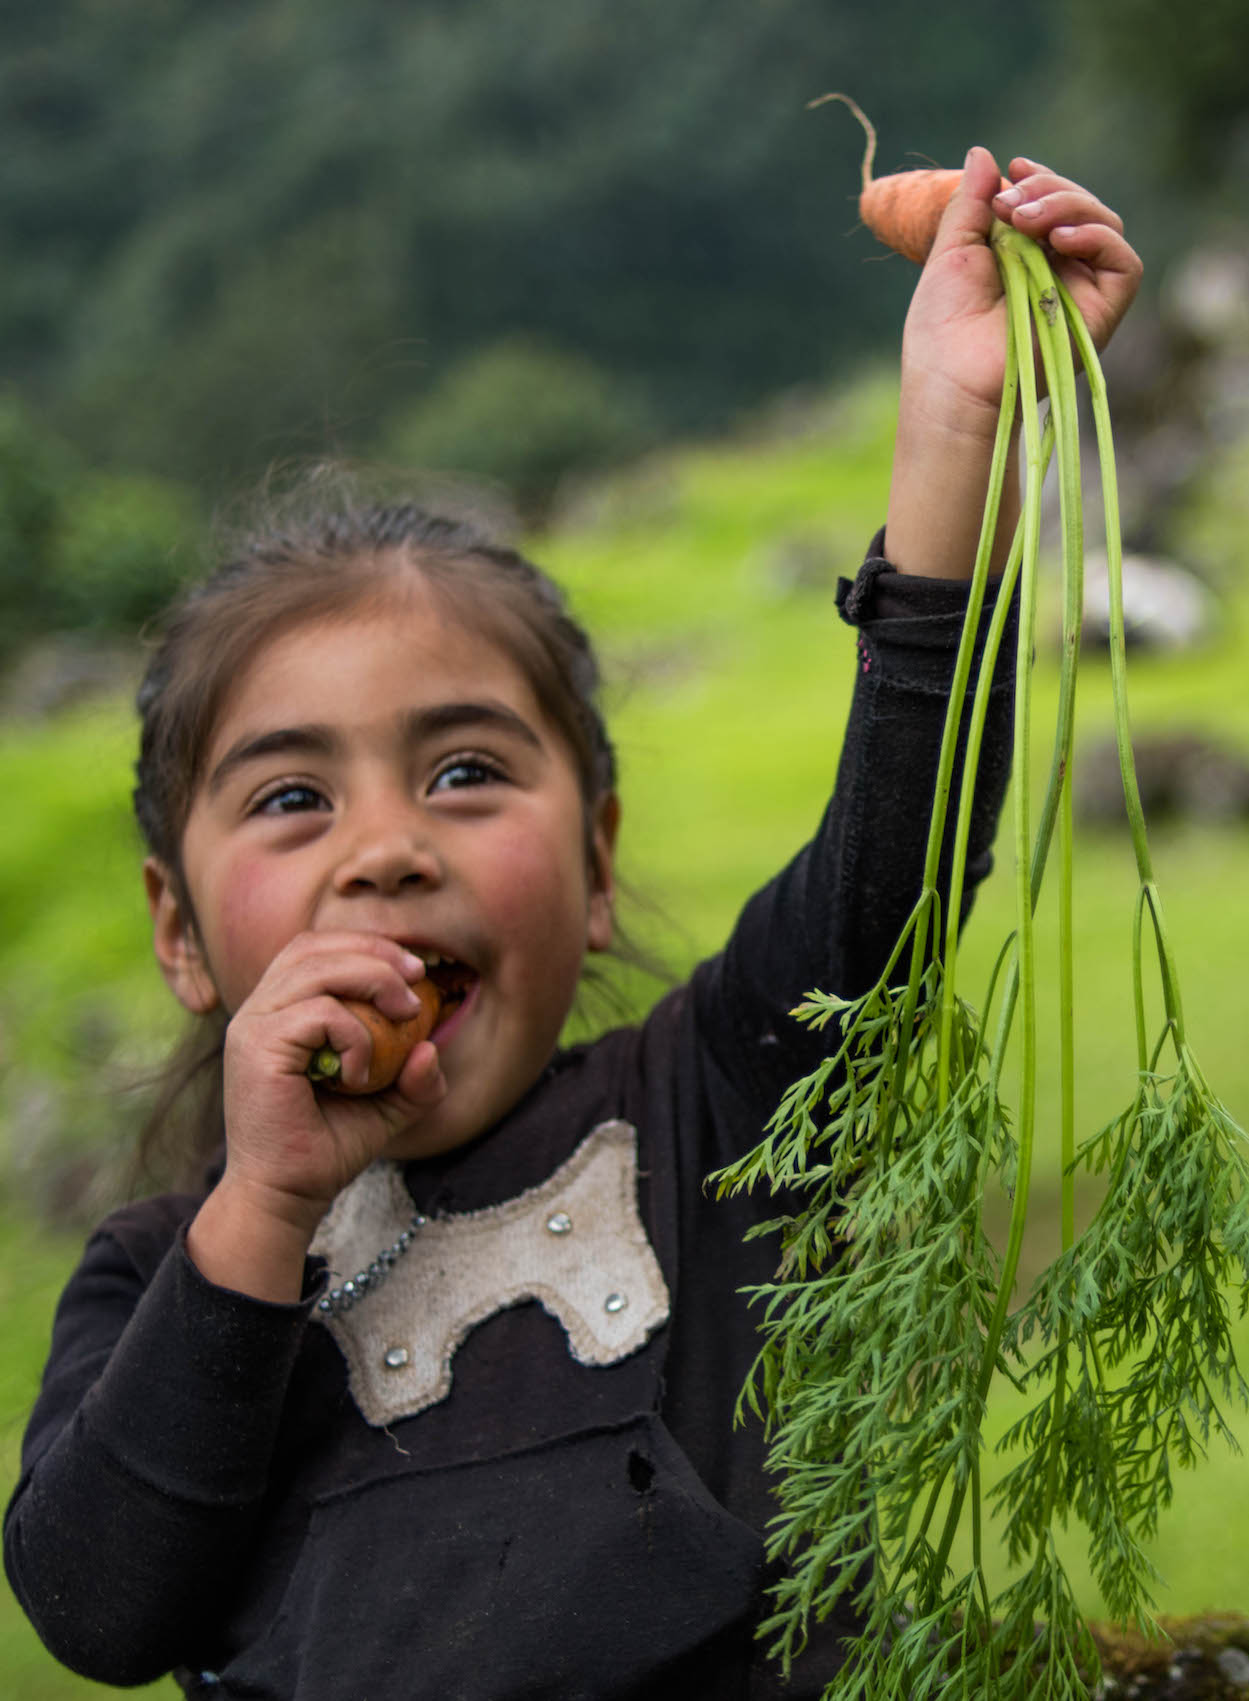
428	1140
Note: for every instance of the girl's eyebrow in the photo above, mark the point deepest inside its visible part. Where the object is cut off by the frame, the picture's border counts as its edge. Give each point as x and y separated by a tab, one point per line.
282	741
449	717
320	740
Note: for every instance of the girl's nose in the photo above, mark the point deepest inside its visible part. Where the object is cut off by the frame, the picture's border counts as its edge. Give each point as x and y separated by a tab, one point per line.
386	856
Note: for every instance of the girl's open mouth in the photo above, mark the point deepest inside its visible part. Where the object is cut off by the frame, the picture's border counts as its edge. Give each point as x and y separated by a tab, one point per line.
454	981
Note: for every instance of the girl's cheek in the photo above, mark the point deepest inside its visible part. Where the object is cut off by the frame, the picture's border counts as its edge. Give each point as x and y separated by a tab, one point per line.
248	926
544	886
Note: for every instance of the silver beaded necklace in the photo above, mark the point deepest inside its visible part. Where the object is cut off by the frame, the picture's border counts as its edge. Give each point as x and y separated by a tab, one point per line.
340	1299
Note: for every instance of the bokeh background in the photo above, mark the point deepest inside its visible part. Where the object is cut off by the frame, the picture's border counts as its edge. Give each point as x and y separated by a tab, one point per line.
592	270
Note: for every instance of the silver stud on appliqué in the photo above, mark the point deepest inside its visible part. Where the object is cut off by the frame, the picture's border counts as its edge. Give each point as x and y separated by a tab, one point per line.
395	1358
615	1302
559	1223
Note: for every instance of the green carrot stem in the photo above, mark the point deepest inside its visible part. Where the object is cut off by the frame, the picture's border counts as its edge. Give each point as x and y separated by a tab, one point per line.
1056	356
324	1065
1118	652
1060	426
1033	302
1114	574
977	1549
975	733
1066	996
1014	278
1166	964
1138	982
1062	417
946	756
971	760
1067	1179
1017	255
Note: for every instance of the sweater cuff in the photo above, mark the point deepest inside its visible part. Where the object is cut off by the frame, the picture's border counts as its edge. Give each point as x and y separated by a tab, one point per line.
879	592
910	626
192	1396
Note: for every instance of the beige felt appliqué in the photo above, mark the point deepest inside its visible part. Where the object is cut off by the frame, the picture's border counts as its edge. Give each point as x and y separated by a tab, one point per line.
575	1244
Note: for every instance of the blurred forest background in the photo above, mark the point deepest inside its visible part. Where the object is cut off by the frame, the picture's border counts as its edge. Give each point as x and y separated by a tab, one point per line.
594	269
513	241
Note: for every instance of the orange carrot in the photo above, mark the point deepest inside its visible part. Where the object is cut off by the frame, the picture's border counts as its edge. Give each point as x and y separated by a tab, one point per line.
392	1041
904	209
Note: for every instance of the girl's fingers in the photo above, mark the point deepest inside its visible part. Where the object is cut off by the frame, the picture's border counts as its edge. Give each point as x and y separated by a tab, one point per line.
298	1008
1102	249
1101	271
1043	196
1085	239
968	217
364	966
1036	210
324	1022
421	1082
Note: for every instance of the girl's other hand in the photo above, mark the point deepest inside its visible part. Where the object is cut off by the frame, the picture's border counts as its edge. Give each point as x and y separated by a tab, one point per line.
953	351
956	328
289	1148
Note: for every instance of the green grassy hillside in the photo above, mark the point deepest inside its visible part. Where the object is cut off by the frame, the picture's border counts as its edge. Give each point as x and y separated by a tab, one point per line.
708	576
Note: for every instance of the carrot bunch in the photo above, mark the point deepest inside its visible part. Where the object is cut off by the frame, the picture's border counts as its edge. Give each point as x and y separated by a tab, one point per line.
892	1312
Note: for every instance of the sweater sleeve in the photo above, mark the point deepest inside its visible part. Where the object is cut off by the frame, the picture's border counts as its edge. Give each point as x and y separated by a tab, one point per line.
146	1459
831	918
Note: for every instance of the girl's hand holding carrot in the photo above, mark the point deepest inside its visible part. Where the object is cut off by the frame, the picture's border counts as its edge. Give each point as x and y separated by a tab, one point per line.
291	1148
953	348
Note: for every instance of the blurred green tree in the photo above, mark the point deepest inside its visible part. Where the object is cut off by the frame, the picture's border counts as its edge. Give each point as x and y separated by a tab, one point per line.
35	468
1188	69
525	415
238	231
81	550
123	545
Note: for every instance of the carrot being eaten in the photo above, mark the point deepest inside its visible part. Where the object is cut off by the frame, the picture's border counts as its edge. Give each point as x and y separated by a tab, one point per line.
904	209
391	1043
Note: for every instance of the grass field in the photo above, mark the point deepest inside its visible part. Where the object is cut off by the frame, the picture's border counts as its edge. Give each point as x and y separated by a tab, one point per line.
708	577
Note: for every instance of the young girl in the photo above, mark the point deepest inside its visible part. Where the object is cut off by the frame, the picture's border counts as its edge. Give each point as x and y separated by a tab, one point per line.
430	1392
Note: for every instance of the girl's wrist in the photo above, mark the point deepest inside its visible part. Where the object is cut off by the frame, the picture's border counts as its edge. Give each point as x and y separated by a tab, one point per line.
936	498
254	1240
937	405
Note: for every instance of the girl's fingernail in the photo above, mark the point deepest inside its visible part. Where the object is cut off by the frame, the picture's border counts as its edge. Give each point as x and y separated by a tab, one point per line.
1029	210
410	963
1009	197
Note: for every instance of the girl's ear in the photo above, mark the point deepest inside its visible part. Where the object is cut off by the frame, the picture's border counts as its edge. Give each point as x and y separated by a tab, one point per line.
173	939
604	827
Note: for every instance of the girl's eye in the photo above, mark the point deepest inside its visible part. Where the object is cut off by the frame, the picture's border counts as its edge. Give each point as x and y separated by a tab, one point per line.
290	800
463	771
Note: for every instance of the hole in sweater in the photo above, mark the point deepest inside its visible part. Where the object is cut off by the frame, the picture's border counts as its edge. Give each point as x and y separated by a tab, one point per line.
641	1473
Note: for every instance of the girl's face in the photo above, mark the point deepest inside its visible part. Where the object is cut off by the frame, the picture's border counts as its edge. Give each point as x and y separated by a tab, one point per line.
393	773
